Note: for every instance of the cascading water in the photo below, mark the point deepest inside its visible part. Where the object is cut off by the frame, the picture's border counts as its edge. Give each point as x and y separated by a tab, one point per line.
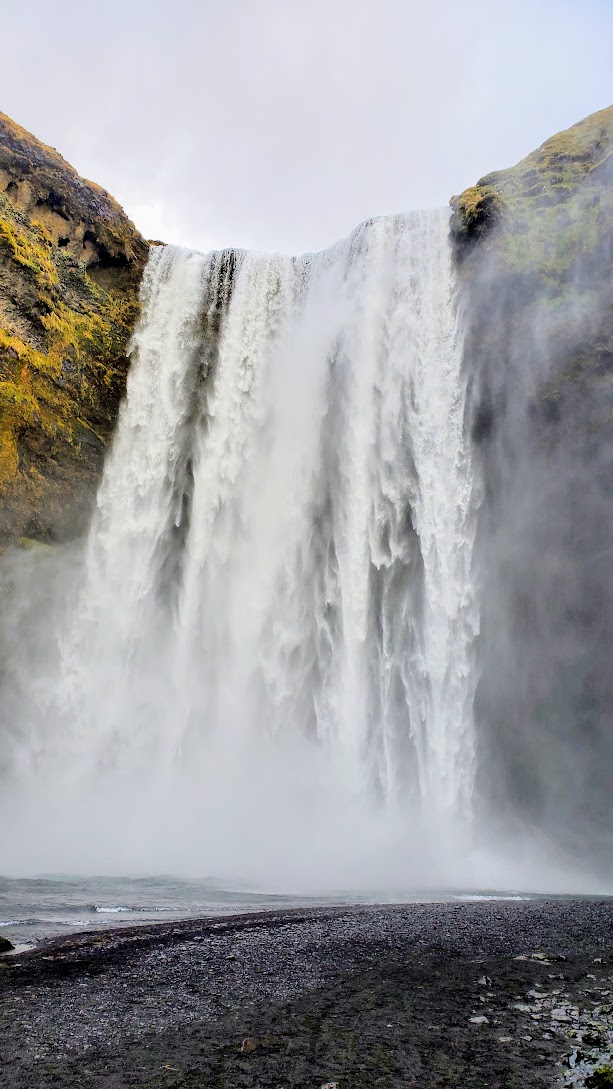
277	614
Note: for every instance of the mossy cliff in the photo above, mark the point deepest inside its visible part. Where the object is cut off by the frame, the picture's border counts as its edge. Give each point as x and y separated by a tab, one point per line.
70	268
541	225
537	240
534	249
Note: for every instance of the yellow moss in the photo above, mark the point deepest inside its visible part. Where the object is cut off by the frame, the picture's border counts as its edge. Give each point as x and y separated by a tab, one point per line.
87	332
65	325
28	544
30	249
42	232
13	343
478	206
9	457
92	341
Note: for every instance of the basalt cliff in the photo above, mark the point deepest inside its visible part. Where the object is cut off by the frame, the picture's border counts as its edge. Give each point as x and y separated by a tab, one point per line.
70	268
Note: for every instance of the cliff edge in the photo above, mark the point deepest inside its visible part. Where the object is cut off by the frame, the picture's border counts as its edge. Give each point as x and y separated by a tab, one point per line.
535	247
70	269
534	204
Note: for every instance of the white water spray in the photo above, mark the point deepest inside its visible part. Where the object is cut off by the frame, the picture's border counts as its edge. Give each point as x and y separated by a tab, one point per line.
278	609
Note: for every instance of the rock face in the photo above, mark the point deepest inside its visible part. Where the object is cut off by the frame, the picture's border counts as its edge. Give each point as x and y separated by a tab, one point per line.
70	268
531	199
534	245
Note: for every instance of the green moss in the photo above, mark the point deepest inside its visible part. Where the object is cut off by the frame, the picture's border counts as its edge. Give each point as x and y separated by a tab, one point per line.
28	248
550	209
601	1078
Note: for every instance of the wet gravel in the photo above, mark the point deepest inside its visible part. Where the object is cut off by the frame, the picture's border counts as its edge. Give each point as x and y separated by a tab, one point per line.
473	995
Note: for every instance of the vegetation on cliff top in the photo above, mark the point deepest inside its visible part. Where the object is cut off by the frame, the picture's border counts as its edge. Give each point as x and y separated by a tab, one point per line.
556	203
540	237
70	268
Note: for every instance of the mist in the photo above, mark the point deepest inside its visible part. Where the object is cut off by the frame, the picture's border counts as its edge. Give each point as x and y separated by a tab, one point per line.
539	348
320	634
278	816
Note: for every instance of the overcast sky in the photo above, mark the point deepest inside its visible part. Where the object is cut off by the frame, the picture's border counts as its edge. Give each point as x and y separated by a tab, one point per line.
280	124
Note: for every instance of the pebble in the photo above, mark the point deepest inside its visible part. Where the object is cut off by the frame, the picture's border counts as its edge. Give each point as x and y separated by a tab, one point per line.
136	1001
559	1015
249	1045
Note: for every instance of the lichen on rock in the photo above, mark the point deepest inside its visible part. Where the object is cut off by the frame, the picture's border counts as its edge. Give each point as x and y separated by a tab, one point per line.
70	268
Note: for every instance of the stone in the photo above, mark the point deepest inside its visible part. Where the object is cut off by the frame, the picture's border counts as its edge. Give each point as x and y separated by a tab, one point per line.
5	945
249	1045
479	1019
559	1014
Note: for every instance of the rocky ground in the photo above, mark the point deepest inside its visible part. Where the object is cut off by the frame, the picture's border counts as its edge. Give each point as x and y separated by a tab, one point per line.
476	995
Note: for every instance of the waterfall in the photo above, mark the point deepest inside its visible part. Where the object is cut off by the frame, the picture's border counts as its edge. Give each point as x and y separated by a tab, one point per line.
279	575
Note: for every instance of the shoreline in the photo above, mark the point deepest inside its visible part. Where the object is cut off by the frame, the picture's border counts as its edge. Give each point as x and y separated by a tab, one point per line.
486	994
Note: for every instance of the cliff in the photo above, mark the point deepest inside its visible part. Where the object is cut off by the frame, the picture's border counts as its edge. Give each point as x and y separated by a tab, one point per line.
534	203
537	239
534	248
70	268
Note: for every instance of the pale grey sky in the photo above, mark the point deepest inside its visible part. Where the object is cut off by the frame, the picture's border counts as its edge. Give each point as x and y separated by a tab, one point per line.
280	124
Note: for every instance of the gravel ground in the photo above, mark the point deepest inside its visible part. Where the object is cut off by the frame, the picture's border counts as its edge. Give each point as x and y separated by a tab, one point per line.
473	995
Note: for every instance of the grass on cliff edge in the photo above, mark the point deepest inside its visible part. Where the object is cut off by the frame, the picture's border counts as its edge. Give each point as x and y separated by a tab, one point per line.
553	207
